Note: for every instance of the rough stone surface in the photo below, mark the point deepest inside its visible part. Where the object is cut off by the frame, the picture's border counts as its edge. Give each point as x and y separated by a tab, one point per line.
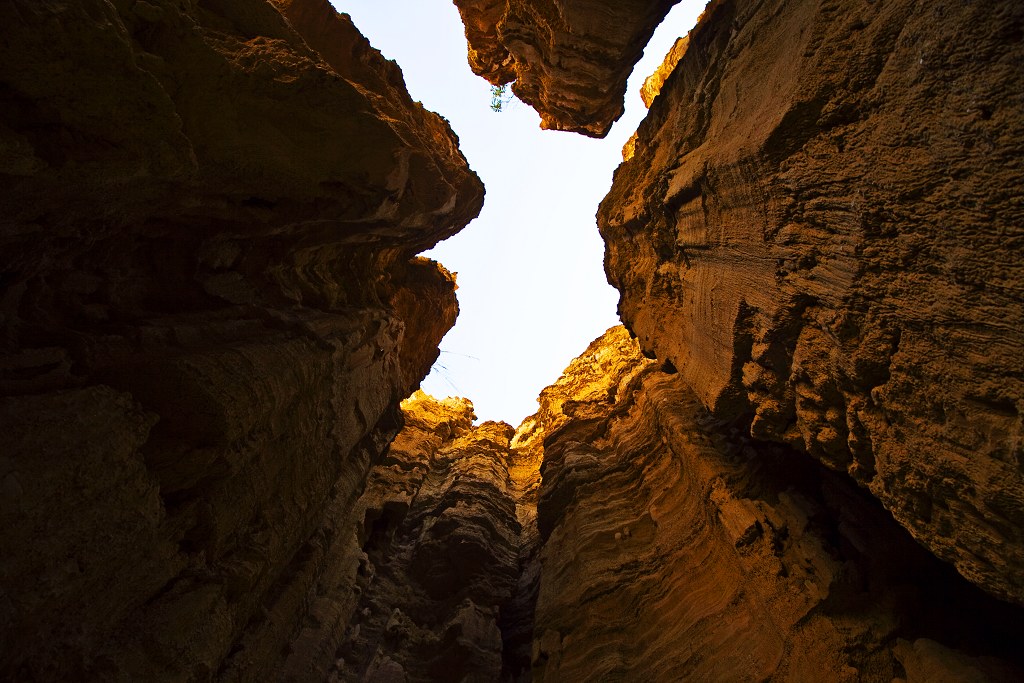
676	548
439	541
422	578
821	228
210	310
653	83
568	60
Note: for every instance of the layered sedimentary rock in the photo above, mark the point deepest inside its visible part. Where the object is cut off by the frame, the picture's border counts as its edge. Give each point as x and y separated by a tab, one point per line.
676	548
210	311
210	307
821	228
569	61
424	560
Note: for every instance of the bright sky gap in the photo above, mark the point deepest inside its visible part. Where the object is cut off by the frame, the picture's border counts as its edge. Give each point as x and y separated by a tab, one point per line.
532	289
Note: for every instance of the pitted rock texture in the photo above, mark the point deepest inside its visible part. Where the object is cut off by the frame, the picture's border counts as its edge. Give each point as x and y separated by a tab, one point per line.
674	548
439	545
568	60
210	310
821	228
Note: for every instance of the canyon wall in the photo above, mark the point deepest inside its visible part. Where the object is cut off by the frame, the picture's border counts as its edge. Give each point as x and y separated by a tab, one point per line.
211	308
623	532
432	545
568	60
674	547
820	226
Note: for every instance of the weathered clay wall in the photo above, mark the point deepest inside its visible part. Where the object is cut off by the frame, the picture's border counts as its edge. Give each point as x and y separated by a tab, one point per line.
676	548
568	60
210	311
821	228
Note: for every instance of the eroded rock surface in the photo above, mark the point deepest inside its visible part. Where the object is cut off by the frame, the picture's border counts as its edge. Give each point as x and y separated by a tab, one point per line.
676	548
210	311
568	60
440	541
653	83
821	228
211	307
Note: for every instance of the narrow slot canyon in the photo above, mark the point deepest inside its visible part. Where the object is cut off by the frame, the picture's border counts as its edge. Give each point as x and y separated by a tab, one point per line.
798	458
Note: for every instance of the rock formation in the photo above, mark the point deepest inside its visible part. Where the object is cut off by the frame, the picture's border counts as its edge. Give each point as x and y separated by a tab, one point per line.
568	60
818	224
820	227
210	311
653	83
432	545
676	548
425	581
625	533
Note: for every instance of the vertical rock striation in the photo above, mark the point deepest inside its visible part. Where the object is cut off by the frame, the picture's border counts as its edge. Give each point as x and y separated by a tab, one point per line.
569	61
426	559
676	548
210	310
820	227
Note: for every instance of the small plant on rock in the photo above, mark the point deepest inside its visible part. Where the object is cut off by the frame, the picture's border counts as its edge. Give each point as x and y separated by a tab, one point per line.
501	95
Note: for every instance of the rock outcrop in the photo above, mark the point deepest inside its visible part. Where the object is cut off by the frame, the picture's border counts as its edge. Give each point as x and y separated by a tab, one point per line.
676	548
425	559
652	84
821	228
210	310
569	61
624	533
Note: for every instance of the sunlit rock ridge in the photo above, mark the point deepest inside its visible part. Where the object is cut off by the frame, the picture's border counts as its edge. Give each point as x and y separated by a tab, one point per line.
799	459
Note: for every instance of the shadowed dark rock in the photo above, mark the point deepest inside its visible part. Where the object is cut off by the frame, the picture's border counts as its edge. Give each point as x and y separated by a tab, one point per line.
211	308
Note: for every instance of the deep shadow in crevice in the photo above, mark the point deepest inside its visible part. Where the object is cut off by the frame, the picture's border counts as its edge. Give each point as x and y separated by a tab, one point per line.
882	563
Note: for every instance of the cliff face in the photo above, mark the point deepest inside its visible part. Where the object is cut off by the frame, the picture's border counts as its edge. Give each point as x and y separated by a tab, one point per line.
675	548
821	228
211	308
210	311
569	61
624	533
429	557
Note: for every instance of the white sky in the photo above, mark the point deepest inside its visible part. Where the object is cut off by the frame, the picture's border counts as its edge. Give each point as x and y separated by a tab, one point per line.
532	290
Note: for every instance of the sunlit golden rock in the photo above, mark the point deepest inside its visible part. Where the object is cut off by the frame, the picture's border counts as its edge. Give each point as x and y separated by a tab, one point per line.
437	556
820	228
652	84
674	547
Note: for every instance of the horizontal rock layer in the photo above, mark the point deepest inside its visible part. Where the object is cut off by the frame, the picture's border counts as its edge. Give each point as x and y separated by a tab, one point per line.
210	310
675	548
821	228
569	61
